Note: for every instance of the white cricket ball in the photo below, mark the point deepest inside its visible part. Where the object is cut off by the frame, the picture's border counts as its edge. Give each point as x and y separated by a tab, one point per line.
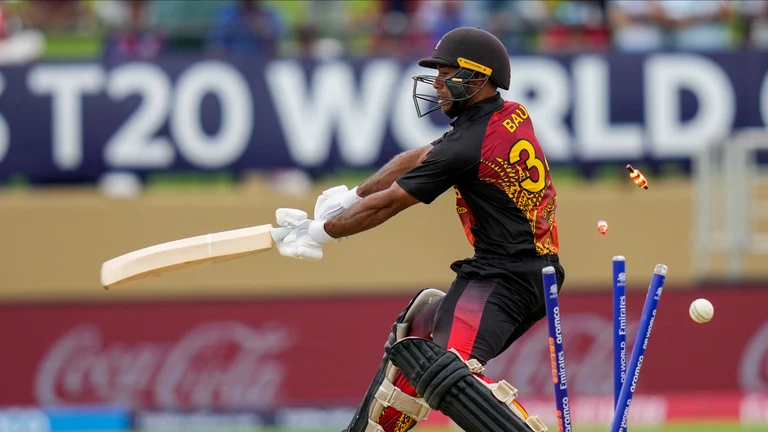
701	310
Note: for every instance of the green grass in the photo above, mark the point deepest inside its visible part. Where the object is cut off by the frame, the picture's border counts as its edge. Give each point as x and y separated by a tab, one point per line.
72	46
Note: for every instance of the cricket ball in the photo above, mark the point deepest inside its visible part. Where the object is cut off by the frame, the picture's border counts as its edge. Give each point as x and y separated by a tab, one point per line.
701	310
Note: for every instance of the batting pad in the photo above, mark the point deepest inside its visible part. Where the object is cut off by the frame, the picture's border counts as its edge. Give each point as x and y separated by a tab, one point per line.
382	393
447	384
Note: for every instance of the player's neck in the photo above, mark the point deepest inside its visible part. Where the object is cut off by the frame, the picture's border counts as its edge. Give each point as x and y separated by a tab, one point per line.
483	94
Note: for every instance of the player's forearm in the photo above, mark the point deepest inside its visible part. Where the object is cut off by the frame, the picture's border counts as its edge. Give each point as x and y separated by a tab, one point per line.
387	175
366	214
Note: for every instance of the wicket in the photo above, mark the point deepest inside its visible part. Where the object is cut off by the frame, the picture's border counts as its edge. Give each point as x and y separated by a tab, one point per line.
556	353
619	325
625	377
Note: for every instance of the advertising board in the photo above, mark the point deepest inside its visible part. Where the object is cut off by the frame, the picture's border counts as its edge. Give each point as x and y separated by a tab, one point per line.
64	121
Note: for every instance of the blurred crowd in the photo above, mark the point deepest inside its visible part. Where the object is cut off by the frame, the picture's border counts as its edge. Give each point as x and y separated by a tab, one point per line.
329	28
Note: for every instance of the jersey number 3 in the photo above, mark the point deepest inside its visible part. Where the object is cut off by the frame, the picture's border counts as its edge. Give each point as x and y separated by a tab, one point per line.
524	150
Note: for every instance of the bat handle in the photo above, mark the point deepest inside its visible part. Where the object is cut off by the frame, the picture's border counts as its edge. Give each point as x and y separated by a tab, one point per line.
279	233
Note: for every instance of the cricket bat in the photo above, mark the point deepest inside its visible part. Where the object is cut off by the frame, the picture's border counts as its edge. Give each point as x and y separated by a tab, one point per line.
186	253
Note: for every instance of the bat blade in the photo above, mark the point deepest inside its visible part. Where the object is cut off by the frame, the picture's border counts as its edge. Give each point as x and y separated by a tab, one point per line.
186	253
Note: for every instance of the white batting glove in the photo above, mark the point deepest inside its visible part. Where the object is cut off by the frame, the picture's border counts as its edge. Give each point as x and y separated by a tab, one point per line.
335	200
298	236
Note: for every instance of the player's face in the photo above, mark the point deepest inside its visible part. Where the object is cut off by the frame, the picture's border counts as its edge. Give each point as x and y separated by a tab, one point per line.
441	89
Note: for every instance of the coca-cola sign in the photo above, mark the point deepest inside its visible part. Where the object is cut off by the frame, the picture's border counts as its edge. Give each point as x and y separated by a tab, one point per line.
753	370
262	355
222	365
189	356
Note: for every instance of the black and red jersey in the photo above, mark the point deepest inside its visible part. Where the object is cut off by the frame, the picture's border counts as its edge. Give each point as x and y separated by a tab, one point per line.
505	197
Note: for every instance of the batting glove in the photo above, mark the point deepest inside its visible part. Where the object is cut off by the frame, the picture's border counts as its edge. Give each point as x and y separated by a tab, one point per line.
335	200
299	237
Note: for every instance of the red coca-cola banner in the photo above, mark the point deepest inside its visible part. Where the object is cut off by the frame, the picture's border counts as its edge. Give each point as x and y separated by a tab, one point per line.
322	352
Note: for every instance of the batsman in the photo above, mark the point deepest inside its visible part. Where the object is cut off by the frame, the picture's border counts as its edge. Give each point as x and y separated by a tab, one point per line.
435	356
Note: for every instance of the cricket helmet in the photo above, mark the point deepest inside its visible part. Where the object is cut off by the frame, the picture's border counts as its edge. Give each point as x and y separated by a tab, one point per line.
475	52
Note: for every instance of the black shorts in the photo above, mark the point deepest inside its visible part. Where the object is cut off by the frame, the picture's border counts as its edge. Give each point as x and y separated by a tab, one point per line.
482	317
